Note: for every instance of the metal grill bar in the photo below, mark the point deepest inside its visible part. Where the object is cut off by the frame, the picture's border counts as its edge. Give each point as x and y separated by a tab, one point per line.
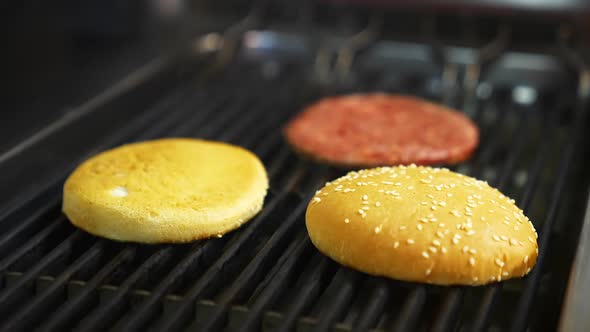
310	288
12	294
447	317
98	319
177	319
22	320
412	307
493	293
338	295
82	301
32	243
524	306
274	282
377	302
248	278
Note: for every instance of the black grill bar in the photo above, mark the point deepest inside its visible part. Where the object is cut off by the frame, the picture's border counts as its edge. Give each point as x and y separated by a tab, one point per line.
148	307
249	277
113	308
23	319
177	319
407	319
9	296
274	282
81	302
32	243
493	293
337	296
447	317
524	306
310	288
377	301
8	238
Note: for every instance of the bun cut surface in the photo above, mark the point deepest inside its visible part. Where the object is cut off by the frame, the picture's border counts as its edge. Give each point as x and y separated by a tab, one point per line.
165	191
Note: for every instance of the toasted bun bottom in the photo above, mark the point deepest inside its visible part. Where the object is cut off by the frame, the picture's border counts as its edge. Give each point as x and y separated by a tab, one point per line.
169	190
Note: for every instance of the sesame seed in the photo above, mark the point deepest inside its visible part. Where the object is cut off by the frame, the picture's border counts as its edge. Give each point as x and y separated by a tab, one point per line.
219	236
433	250
449	195
378	229
444	250
468	214
346	220
472	251
471	261
470	232
465	249
439	234
459	226
457	236
436	242
432	219
455	240
531	240
396	244
483	218
455	213
317	199
526	259
499	262
401	228
504	238
433	207
387	182
430	196
425	254
516	228
425	181
428	272
365	197
496	238
419	227
365	207
410	241
442	204
507	223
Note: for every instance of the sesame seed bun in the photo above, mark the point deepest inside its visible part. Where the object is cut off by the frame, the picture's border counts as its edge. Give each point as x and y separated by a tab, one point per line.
162	191
422	224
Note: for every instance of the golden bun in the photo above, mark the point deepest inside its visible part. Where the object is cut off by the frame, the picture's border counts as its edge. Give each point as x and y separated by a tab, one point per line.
163	191
422	224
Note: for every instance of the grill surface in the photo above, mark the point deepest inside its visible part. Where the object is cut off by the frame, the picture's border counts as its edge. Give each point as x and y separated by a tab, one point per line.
267	274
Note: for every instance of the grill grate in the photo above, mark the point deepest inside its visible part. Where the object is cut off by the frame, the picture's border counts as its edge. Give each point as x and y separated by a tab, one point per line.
267	274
